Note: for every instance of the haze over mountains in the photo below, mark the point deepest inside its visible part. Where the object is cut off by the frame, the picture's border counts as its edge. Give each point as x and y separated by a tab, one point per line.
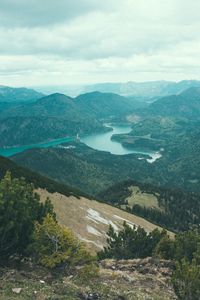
149	89
9	94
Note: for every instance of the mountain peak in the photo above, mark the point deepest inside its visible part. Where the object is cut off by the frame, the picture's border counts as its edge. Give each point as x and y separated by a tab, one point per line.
55	98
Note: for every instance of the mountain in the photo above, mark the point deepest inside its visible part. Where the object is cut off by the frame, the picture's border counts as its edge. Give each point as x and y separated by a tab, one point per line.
89	219
57	115
95	172
38	180
104	105
10	94
186	104
144	89
51	117
85	168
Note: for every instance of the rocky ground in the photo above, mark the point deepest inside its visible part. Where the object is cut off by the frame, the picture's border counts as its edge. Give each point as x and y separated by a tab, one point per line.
141	279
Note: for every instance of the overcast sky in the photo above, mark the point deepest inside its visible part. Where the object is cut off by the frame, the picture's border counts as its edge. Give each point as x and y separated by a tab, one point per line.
57	42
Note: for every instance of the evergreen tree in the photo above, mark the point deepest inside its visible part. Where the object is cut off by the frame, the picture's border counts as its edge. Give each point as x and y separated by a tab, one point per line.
130	243
20	207
186	280
165	248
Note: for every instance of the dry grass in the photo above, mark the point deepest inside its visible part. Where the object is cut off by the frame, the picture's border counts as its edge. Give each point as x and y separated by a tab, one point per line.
143	199
90	219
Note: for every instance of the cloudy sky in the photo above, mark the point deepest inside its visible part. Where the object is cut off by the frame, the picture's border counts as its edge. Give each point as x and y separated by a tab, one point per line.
48	42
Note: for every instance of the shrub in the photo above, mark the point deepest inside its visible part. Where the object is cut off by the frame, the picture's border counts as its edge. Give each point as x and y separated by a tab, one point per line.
186	280
130	243
165	248
55	245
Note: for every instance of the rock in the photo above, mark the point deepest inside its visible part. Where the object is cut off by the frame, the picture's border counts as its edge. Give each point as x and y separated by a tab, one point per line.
89	296
16	290
93	296
42	281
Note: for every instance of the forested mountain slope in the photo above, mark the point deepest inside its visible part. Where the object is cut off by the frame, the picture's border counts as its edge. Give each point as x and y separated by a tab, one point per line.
38	180
51	117
104	105
186	104
95	172
57	116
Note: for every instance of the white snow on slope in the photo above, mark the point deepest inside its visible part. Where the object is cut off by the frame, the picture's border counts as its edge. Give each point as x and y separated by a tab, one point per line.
95	216
93	230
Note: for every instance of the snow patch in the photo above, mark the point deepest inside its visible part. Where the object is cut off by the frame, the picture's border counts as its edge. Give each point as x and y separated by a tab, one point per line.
95	216
92	230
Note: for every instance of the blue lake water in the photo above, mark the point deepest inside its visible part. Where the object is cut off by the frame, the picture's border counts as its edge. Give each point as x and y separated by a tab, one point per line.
14	150
100	141
103	142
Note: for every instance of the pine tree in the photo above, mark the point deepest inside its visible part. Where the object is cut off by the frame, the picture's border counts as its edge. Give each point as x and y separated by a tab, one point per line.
20	207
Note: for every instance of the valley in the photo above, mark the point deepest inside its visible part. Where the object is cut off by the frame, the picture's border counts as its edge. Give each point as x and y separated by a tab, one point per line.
108	168
100	141
99	150
152	149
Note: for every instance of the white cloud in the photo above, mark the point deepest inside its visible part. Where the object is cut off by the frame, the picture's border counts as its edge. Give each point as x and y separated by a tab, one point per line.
98	41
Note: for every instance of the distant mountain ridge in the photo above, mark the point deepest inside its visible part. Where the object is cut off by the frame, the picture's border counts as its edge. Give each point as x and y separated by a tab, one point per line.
10	94
143	89
186	104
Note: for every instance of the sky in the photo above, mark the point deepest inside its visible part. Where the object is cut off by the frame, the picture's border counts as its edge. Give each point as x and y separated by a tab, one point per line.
64	42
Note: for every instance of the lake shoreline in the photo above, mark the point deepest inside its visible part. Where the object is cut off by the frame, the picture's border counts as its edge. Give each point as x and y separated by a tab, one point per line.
98	141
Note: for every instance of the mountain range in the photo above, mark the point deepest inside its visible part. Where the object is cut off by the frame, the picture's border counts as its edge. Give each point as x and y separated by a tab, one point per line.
10	94
57	115
148	90
185	104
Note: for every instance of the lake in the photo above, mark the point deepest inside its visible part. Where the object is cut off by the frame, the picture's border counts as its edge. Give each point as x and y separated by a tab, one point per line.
100	141
14	150
103	142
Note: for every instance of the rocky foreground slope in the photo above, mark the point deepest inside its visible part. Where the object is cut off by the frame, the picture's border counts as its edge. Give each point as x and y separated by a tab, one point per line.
140	279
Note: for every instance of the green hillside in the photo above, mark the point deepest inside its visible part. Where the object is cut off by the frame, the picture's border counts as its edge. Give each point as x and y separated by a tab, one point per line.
38	180
96	172
105	105
186	104
51	117
57	116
